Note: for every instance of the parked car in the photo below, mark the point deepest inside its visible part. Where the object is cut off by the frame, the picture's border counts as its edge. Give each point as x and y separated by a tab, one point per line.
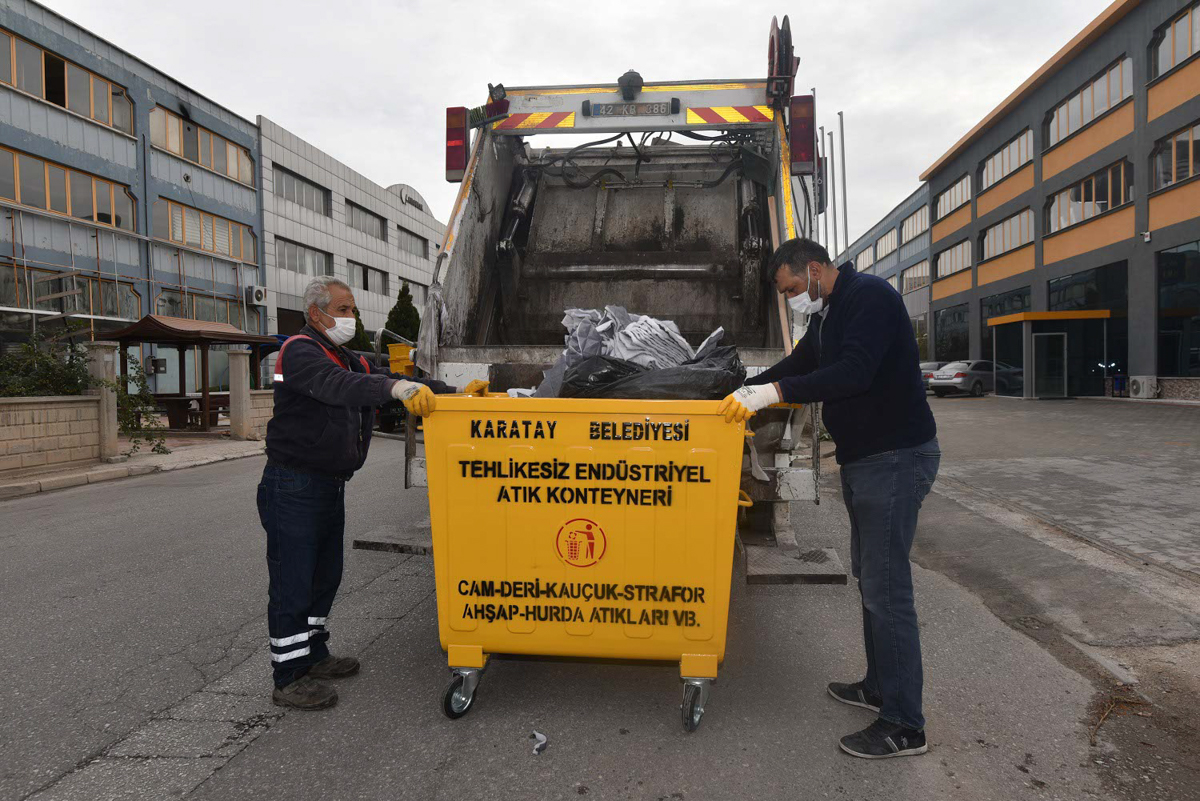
927	371
975	378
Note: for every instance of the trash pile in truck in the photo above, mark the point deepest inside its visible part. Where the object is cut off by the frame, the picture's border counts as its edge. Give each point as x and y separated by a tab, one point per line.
617	354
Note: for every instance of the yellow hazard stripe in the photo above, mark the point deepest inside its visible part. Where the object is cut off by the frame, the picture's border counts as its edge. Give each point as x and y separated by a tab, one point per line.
567	122
785	168
727	114
533	119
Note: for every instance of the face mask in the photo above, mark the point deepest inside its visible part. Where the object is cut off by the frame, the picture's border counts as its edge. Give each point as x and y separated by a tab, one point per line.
342	330
803	304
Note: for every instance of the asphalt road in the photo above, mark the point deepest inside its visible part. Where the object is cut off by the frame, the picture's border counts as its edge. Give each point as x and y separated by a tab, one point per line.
136	667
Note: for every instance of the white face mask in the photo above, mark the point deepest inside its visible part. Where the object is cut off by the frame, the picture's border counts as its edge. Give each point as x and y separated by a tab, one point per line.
342	330
803	304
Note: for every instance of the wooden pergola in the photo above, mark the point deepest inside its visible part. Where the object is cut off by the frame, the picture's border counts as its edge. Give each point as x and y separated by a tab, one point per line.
155	329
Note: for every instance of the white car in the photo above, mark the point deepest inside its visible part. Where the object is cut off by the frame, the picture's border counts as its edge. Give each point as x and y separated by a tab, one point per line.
975	378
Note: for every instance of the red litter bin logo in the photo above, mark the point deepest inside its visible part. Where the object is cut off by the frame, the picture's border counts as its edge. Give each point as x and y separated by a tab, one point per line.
581	542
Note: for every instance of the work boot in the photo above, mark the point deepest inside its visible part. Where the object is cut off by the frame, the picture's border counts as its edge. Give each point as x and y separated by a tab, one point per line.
334	667
305	693
855	695
884	739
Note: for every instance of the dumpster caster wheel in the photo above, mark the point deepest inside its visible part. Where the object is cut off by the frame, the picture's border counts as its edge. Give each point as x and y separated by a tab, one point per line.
459	697
695	696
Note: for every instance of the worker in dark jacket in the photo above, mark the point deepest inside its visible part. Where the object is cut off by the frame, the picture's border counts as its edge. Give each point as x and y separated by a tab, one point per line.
325	399
859	357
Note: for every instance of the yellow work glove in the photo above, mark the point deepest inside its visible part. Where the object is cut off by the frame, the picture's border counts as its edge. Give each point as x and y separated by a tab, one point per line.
417	398
476	387
743	403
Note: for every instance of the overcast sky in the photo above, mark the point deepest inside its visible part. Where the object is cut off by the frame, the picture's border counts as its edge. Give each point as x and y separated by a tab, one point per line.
368	81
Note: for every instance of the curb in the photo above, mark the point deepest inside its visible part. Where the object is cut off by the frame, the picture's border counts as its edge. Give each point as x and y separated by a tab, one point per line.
109	473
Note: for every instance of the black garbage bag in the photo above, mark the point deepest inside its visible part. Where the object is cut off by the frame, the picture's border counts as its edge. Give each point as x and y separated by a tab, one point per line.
709	377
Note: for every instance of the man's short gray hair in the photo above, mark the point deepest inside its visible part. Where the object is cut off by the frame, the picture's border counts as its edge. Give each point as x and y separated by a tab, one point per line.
317	291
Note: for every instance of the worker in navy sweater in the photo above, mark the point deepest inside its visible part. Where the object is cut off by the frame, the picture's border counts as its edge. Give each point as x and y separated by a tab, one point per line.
859	358
325	399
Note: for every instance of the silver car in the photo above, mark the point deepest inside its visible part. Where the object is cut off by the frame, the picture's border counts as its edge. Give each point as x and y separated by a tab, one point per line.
974	378
927	371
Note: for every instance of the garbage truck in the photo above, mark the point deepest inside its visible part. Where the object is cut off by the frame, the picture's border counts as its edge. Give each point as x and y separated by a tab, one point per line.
667	198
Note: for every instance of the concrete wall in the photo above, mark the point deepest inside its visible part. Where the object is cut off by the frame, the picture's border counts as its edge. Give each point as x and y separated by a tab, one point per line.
1179	388
43	433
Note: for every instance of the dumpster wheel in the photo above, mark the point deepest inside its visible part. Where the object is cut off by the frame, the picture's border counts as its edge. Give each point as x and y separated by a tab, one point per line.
459	696
695	696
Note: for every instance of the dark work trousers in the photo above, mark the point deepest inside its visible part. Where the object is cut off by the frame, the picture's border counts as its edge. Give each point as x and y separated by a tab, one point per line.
304	515
883	495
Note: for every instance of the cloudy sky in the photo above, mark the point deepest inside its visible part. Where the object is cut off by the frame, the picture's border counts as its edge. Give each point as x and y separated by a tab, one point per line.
368	80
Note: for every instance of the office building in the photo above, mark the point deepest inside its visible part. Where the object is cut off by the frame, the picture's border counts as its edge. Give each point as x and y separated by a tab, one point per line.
323	218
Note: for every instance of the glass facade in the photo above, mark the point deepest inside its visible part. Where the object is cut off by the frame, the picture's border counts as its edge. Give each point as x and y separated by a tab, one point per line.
1105	287
1179	311
1014	302
951	329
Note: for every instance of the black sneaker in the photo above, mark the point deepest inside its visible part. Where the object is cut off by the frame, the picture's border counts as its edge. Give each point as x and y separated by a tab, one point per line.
855	695
305	693
882	740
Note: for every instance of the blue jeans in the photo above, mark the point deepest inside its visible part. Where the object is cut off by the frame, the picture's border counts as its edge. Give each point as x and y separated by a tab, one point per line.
883	495
304	515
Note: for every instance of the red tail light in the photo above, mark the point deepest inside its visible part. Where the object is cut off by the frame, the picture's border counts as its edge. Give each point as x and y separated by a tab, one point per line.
802	136
928	375
458	140
960	375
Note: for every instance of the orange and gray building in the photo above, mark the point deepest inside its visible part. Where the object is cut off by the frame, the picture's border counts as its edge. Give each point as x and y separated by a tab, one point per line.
1064	228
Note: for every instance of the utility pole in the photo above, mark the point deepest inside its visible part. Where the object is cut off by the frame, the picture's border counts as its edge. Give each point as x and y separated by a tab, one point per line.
833	198
845	216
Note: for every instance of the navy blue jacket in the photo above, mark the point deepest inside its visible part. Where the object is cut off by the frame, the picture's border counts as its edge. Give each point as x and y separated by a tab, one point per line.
860	360
324	411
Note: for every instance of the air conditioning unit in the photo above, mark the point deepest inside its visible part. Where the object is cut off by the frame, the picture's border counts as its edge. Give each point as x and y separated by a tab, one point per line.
1143	386
256	295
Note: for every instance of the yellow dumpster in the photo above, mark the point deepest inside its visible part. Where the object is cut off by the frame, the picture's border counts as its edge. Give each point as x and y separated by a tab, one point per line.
400	358
582	528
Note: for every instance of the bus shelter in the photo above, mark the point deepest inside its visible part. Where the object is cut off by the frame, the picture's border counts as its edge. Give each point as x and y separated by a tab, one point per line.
1054	354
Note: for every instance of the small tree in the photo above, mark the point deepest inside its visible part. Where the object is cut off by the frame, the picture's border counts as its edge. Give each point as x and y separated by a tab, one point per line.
360	340
403	319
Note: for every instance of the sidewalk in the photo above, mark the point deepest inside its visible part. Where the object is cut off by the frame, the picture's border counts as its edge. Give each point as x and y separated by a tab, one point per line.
184	453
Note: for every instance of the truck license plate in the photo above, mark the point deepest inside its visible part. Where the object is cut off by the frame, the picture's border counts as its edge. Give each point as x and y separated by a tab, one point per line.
631	109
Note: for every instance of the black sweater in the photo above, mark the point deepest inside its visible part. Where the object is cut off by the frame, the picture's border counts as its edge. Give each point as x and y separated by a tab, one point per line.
325	409
860	359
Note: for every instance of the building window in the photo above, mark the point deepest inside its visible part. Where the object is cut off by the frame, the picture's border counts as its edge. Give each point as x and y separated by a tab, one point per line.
45	185
77	294
894	282
864	260
952	334
63	83
1175	41
915	277
411	243
1007	160
914	225
1103	191
1179	311
368	222
954	260
886	244
368	278
1099	96
300	259
955	197
193	228
1177	157
1008	235
1105	288
1014	302
201	146
301	191
920	326
173	303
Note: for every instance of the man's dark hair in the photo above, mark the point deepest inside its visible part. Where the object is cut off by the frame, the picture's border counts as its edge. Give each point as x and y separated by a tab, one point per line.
795	254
